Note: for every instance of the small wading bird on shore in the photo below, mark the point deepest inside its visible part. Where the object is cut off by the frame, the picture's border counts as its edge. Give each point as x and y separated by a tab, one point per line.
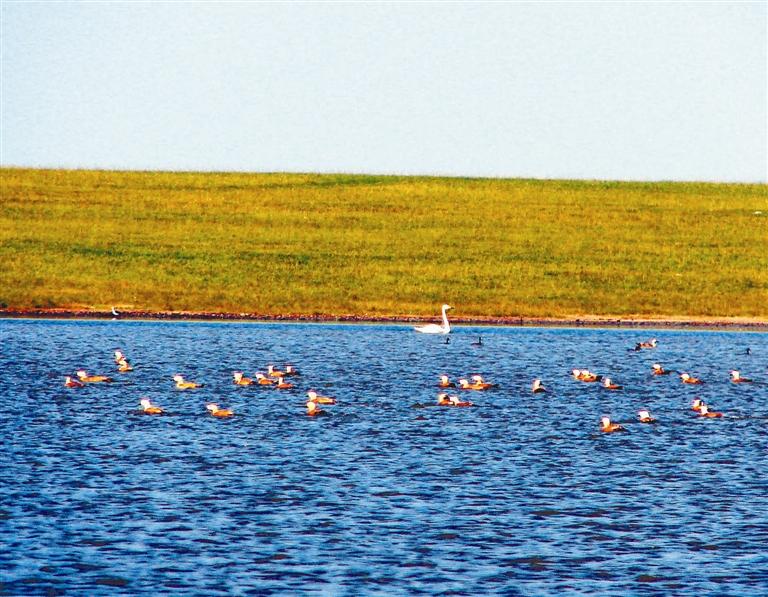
434	328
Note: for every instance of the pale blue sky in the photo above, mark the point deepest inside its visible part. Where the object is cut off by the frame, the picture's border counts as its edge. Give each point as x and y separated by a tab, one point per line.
595	90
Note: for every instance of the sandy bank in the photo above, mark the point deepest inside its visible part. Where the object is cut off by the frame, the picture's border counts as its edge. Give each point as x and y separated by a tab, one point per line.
754	324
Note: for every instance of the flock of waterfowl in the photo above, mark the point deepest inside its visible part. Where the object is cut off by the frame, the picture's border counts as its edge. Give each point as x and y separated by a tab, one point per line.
273	378
276	379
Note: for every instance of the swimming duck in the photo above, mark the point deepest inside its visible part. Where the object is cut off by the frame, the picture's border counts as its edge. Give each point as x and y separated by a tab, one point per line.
705	412
659	370
239	380
479	381
688	379
218	412
537	388
446	400
291	370
586	375
697	404
650	344
72	383
119	356
475	385
610	386
124	366
272	372
445	382
181	384
645	417
737	378
261	380
312	409
607	427
315	397
150	409
282	384
85	378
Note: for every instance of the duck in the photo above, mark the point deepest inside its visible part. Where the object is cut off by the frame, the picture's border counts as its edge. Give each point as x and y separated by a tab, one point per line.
262	380
218	412
586	375
181	384
691	380
434	328
446	400
313	410
737	378
659	370
72	383
705	412
272	372
645	417
239	380
82	374
445	382
478	385
608	385
119	356
537	388
291	370
150	409
315	397
282	384
697	404
652	343
124	366
607	427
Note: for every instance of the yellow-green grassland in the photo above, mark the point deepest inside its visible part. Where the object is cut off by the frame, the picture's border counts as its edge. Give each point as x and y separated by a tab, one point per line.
381	245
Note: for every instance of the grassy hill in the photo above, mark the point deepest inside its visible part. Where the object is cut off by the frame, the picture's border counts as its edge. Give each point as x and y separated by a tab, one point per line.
381	245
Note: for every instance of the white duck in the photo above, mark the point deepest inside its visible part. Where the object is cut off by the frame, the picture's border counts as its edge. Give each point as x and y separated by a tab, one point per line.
434	328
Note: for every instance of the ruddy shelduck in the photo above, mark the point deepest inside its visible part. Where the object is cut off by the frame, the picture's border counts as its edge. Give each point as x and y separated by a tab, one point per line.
537	387
182	384
72	383
645	416
239	380
218	412
686	378
607	427
82	374
313	396
737	378
150	409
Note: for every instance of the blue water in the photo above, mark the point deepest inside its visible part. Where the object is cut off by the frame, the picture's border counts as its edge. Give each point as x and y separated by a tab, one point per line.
520	495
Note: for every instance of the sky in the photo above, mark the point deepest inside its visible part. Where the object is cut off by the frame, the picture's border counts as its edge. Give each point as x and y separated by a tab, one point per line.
584	90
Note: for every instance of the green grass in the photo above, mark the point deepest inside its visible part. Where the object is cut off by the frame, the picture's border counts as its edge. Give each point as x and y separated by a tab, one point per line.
381	245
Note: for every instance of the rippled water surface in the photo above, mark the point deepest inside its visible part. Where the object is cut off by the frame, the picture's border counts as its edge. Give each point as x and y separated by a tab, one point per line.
519	495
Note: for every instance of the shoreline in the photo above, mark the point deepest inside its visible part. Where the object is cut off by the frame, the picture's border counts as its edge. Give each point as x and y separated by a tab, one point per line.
745	323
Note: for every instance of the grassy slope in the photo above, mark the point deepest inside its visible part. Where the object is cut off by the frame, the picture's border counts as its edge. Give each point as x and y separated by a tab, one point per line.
292	243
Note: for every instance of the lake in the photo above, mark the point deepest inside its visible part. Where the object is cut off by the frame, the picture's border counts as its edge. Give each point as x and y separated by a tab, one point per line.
387	494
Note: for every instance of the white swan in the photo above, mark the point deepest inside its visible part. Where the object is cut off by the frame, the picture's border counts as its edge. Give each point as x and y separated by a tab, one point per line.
434	328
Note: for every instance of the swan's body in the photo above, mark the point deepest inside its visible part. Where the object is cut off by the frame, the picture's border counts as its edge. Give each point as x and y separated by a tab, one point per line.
434	328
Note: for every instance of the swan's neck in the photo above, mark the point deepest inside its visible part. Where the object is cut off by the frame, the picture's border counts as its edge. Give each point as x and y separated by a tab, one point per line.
446	325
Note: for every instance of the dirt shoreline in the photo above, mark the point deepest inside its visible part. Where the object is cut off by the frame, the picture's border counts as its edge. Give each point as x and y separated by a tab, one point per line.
752	324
